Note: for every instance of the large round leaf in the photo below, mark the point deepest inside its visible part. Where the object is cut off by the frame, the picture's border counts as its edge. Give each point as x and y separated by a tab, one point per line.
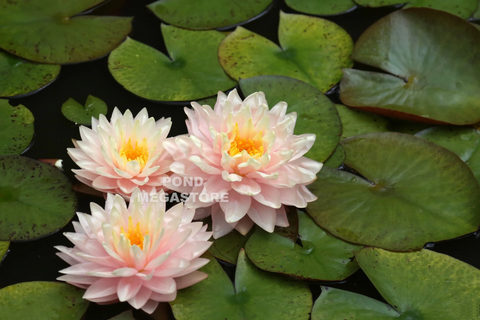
193	72
316	113
311	49
337	158
413	192
16	128
228	247
321	256
322	7
75	112
49	31
255	294
35	199
207	14
19	77
433	61
42	301
465	142
420	286
355	122
461	8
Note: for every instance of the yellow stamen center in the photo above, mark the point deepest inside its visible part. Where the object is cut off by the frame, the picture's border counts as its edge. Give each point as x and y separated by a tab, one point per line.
253	145
134	234
135	152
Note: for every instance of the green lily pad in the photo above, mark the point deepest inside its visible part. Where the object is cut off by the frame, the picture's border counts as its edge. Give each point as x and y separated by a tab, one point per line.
413	192
432	58
19	77
228	247
256	293
476	14
16	128
315	112
337	158
42	301
461	8
323	8
321	256
311	49
465	142
3	249
357	122
94	107
207	14
127	315
49	31
414	284
192	72
36	199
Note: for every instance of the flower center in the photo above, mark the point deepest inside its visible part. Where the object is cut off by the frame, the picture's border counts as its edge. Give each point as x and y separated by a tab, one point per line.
138	153
134	234
253	143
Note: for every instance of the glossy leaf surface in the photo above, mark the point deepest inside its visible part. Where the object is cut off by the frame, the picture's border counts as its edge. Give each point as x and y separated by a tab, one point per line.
16	128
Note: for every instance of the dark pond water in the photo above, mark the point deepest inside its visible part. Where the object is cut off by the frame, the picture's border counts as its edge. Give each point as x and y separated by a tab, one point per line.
36	260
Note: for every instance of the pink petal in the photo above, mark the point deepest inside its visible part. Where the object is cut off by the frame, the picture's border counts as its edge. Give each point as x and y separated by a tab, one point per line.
190	279
236	207
141	298
263	216
244	225
220	226
104	183
128	287
161	285
270	196
150	306
247	186
292	197
101	288
282	219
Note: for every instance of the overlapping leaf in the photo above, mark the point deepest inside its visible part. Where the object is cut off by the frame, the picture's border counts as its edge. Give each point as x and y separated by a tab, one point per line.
311	49
316	113
3	249
321	256
324	7
50	31
35	199
465	142
16	128
19	77
192	71
413	192
432	62
461	8
42	301
207	14
255	294
419	286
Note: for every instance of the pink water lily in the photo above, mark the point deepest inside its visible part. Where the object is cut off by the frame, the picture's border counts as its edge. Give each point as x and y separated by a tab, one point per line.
141	254
123	154
243	149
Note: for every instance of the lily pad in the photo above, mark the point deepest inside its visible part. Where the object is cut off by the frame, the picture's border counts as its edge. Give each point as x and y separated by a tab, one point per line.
19	77
16	128
432	62
256	293
228	247
316	113
355	122
337	158
3	249
207	14
414	284
465	142
192	72
461	8
413	192
94	107
476	14
311	49
35	199
321	256
42	301
323	7
50	31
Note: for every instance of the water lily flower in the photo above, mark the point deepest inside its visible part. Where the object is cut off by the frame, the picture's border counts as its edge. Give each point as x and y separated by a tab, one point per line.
123	154
244	150
141	254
